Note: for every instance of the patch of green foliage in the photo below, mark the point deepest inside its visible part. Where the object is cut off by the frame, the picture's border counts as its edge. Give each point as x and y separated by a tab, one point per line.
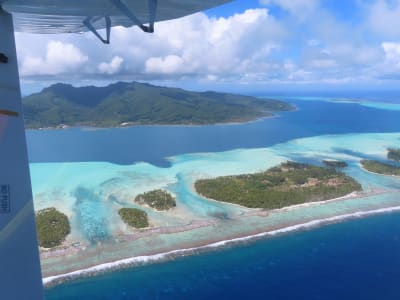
52	227
139	103
158	199
288	184
380	167
394	154
134	217
335	163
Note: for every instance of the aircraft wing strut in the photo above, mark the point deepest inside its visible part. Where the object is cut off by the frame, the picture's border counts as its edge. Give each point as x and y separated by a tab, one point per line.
125	10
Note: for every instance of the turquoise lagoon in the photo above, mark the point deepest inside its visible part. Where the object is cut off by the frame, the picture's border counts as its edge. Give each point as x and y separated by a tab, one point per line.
88	174
91	193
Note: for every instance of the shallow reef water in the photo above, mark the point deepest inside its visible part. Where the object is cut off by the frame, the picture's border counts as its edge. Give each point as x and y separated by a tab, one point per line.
91	182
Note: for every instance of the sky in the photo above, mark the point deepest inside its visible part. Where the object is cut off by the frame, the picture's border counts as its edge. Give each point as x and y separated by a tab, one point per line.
245	45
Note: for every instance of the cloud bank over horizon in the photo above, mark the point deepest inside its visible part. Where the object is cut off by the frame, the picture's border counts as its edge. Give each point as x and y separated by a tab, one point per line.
276	42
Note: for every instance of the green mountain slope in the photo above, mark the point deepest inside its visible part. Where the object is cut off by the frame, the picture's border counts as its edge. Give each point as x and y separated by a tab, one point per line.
140	103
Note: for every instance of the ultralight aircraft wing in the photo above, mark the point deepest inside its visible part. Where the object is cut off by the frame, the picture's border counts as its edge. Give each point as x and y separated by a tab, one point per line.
75	16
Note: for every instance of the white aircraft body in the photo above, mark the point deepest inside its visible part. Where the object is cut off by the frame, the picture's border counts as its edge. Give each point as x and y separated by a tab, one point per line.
20	275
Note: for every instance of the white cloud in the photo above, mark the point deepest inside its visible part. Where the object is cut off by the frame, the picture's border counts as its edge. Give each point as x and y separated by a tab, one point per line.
300	75
313	43
196	46
392	52
59	58
323	63
216	46
389	68
170	64
384	18
298	8
112	67
309	44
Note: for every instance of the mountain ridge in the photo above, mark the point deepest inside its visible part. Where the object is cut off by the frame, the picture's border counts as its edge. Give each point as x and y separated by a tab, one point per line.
134	103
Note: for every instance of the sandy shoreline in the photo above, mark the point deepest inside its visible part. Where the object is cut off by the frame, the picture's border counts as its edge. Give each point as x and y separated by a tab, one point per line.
387	175
272	114
132	124
195	247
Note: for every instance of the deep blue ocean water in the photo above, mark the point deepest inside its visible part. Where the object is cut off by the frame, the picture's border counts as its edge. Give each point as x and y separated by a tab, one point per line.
357	259
154	143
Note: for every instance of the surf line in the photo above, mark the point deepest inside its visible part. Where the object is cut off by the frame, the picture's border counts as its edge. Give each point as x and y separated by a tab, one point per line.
127	262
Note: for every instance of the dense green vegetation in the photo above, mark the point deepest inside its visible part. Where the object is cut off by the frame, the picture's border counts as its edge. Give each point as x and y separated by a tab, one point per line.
139	103
394	154
158	199
335	163
134	217
380	167
52	227
287	184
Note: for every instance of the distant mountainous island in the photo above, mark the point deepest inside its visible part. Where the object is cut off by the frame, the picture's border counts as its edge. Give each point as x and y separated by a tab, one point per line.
124	104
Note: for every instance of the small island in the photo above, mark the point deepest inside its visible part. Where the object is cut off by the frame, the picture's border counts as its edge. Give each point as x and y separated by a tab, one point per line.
394	154
288	184
52	227
380	167
134	217
335	163
157	199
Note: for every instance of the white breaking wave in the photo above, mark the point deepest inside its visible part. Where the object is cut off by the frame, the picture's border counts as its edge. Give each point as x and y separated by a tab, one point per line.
179	252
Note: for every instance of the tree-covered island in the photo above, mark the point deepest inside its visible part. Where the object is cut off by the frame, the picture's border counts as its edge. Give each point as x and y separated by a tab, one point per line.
52	227
157	199
290	183
124	104
380	167
394	154
134	217
335	163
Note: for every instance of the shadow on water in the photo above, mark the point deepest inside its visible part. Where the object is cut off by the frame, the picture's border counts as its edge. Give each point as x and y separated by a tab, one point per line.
220	215
317	161
356	153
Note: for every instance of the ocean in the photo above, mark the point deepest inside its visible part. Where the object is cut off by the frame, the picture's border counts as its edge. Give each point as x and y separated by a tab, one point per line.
356	259
153	144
